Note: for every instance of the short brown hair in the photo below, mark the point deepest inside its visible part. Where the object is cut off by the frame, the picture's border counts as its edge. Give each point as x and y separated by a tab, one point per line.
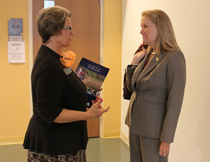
50	21
166	39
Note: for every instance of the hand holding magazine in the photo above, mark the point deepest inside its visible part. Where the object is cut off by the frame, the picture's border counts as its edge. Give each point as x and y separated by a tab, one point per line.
93	76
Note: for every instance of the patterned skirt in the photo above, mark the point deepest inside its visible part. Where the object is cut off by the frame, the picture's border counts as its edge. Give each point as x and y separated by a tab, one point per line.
37	157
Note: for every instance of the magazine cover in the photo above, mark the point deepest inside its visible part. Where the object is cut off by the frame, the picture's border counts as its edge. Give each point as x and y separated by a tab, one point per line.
93	76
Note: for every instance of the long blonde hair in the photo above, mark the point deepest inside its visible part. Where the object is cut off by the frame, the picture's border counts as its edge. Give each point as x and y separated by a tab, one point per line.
166	38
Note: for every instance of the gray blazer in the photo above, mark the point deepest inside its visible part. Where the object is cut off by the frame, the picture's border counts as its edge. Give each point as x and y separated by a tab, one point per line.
157	96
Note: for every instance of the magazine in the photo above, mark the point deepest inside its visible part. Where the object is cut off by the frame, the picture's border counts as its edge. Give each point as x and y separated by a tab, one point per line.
93	76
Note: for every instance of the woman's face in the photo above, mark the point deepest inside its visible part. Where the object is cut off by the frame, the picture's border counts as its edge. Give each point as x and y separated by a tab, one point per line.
64	38
149	32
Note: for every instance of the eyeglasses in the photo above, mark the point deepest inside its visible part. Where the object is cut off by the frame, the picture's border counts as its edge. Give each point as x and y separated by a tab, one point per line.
68	28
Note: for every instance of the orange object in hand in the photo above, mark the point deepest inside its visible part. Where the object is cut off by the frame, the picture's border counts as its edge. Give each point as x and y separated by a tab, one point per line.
67	58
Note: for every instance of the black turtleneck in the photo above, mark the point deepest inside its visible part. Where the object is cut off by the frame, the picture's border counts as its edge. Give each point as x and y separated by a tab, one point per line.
52	90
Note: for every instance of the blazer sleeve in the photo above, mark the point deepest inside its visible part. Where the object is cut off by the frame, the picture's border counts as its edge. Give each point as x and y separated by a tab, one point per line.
176	80
129	75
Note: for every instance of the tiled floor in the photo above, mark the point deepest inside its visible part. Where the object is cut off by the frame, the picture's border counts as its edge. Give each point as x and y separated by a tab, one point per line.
98	150
107	150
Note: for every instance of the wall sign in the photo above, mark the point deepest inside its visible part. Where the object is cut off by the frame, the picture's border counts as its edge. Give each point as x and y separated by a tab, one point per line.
16	52
15	27
16	45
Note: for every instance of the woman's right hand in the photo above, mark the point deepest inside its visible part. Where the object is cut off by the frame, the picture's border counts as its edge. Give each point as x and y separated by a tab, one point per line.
140	53
96	110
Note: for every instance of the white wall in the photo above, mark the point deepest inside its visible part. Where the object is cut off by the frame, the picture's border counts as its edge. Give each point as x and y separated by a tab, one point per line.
191	21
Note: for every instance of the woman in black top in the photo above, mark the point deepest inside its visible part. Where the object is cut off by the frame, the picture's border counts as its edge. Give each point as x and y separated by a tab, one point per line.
57	130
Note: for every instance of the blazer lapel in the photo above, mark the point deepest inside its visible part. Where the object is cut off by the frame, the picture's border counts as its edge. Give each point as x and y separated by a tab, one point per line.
138	70
152	64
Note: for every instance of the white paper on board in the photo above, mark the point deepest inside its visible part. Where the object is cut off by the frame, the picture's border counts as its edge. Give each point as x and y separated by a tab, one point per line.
16	52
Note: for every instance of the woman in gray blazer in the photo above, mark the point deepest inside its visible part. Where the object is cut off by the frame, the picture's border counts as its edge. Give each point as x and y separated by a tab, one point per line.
156	76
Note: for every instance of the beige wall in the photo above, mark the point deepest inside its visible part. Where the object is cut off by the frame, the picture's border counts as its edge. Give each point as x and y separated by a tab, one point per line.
191	24
112	59
15	82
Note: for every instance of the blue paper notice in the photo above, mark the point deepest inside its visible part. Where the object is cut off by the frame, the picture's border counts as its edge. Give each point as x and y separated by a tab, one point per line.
15	27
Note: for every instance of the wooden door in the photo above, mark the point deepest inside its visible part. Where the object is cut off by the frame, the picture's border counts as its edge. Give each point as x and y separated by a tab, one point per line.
86	40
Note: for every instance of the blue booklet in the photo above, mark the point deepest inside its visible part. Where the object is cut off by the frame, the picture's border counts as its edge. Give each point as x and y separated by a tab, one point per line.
93	76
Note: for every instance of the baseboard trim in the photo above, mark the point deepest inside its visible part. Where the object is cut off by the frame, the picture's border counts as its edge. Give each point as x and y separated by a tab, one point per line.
124	138
11	140
111	134
108	134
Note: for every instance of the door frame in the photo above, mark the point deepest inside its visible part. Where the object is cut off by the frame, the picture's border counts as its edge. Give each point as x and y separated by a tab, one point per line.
30	52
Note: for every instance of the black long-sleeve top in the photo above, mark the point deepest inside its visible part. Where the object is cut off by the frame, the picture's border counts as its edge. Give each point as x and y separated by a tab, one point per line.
55	87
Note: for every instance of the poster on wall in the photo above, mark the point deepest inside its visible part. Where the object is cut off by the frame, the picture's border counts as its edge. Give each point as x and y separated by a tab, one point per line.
15	29
16	52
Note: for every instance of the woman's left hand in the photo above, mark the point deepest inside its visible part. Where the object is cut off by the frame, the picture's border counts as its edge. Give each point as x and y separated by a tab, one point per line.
164	149
96	109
